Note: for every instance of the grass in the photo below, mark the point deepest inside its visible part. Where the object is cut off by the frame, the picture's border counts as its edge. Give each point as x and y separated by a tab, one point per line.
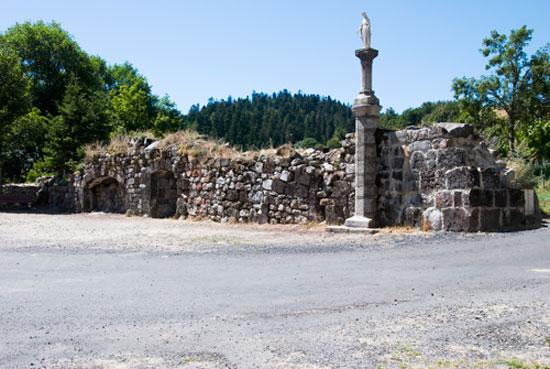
408	357
522	364
118	144
189	143
543	193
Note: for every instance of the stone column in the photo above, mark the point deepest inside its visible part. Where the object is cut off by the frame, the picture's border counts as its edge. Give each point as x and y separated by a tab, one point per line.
366	109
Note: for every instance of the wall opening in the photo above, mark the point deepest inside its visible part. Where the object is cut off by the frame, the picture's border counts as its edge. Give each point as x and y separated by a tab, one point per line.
164	194
106	195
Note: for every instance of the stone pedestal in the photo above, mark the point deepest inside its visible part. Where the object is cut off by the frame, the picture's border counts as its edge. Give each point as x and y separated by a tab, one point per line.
366	109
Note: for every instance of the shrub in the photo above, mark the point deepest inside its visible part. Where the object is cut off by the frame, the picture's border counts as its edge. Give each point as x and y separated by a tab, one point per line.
525	172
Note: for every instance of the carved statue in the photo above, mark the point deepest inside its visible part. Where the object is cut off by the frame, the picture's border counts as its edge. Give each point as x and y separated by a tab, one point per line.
364	31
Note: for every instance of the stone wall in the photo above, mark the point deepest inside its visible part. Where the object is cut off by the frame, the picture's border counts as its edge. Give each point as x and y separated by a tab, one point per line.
442	177
300	187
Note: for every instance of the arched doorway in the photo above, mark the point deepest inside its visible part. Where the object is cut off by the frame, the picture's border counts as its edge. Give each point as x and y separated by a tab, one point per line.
104	194
164	194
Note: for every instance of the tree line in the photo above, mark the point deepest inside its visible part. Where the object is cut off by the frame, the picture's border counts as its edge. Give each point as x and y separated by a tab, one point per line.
55	99
273	120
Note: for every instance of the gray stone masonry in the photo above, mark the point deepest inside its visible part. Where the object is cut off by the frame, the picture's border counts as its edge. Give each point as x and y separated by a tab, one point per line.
441	178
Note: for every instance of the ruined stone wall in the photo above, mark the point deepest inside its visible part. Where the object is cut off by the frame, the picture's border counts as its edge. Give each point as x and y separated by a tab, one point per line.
299	187
442	177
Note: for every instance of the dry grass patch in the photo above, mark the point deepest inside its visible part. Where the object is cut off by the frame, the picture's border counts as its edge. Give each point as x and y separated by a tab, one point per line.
402	230
117	145
196	145
189	143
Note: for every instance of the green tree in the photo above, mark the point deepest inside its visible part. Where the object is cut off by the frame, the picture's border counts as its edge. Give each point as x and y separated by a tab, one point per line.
24	140
14	96
168	118
537	138
83	119
132	102
514	93
48	58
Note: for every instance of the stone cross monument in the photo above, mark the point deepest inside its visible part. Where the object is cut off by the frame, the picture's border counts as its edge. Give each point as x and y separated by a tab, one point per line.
366	109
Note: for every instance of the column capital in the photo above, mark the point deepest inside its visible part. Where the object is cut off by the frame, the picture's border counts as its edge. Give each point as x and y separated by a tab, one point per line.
366	54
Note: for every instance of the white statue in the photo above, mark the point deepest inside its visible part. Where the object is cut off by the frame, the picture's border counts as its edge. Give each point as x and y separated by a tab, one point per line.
364	31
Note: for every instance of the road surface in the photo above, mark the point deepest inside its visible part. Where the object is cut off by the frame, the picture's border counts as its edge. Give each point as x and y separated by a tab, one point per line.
75	294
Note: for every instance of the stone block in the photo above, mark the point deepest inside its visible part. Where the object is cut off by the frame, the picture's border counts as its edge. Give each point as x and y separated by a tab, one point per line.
417	161
267	184
303	178
513	219
269	166
432	219
489	220
423	146
412	217
290	189
501	198
334	214
490	178
278	186
286	176
302	191
432	180
341	188
269	200
462	178
517	198
454	219
478	198
443	199
456	129
457	199
340	201
232	195
530	206
451	157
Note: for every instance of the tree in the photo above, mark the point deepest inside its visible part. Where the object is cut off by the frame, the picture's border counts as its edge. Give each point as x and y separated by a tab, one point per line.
48	57
515	93
83	119
168	119
24	140
132	103
14	97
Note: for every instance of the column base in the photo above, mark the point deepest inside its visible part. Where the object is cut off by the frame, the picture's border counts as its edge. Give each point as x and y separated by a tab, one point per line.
358	221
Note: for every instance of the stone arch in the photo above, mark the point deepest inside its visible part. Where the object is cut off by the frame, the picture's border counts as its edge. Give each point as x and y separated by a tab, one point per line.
164	194
104	194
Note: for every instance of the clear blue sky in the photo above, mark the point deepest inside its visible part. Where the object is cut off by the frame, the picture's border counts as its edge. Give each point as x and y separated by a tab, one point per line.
193	50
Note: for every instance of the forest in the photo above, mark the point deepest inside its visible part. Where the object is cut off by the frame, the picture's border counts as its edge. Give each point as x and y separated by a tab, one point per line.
55	99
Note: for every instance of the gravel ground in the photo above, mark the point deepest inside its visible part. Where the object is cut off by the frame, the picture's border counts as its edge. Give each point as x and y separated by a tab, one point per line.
484	305
109	232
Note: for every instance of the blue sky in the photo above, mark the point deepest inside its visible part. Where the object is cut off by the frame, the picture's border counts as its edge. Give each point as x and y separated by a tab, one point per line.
193	50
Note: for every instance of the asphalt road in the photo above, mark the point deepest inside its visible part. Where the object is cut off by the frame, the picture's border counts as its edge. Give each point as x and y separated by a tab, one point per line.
462	300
